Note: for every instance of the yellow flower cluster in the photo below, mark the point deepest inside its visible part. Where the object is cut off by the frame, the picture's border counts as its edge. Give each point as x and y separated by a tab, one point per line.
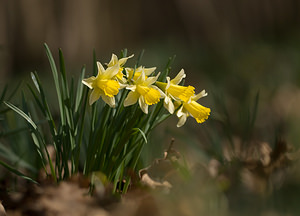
146	90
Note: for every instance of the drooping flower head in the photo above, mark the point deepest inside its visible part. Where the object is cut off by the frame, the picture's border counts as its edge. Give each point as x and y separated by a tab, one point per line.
194	109
144	92
114	61
175	92
104	84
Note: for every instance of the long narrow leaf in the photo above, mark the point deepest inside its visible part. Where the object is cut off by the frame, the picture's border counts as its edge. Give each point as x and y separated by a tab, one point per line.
56	81
142	133
21	113
18	173
79	90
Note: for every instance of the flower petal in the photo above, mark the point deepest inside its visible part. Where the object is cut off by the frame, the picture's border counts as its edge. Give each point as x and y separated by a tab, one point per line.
109	100
182	120
178	77
149	71
112	71
89	82
141	78
143	105
168	104
151	80
122	61
168	83
101	69
113	60
200	95
95	95
180	112
131	87
162	94
131	99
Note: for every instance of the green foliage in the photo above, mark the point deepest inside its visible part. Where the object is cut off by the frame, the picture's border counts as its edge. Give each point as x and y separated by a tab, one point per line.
85	138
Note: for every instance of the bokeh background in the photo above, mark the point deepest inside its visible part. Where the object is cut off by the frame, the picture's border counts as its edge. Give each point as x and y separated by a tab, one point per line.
234	49
231	48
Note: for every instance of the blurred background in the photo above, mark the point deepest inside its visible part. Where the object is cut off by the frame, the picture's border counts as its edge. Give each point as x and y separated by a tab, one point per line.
244	53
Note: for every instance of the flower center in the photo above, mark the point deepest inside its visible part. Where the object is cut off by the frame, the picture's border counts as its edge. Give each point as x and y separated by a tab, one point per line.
120	73
199	112
110	87
151	95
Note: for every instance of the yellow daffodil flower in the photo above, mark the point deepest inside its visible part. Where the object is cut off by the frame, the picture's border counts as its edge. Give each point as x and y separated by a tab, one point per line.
144	92
175	91
104	84
196	110
138	71
114	60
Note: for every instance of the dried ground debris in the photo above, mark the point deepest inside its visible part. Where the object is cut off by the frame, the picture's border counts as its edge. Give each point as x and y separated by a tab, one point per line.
166	187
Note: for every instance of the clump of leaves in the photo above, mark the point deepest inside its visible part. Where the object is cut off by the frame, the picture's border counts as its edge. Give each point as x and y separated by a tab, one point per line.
107	135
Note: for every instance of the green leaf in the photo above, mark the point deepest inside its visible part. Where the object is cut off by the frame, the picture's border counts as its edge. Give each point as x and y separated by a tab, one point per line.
79	90
17	172
21	113
35	82
142	133
56	81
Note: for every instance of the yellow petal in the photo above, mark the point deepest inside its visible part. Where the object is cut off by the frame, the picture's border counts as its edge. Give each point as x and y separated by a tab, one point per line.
138	72
149	71
150	95
120	74
178	77
168	104
151	80
184	93
109	87
122	61
109	100
131	99
101	69
199	112
110	72
143	105
113	60
161	85
200	95
95	95
89	82
182	120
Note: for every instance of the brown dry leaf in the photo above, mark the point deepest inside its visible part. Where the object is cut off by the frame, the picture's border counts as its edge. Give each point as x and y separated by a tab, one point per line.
68	199
261	167
162	173
64	199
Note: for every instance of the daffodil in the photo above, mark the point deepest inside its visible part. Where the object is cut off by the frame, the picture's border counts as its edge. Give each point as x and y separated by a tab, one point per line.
144	92
104	84
175	92
114	61
194	109
133	74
